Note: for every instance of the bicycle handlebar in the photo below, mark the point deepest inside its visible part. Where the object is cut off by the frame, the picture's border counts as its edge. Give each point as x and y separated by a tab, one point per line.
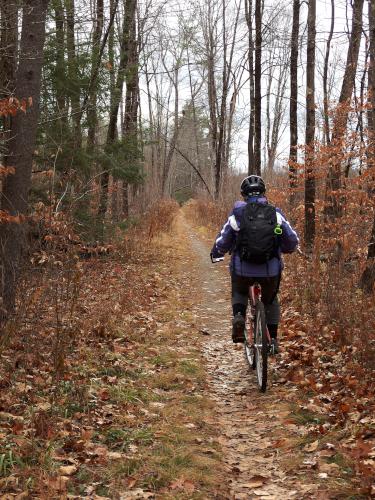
217	259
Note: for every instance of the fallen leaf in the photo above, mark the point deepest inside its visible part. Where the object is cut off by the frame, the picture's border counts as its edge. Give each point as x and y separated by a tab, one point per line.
68	470
311	446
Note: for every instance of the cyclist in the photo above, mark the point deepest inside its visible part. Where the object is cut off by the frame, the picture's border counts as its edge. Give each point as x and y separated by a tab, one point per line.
252	260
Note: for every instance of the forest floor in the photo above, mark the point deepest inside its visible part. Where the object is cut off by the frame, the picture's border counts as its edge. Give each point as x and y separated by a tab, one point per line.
157	402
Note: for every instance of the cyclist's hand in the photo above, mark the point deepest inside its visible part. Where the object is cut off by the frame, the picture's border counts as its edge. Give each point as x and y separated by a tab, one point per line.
216	255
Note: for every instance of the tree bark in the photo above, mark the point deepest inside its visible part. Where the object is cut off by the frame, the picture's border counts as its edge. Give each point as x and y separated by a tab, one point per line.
60	58
130	124
310	128
92	115
75	91
368	277
112	131
325	75
14	196
257	88
293	121
250	141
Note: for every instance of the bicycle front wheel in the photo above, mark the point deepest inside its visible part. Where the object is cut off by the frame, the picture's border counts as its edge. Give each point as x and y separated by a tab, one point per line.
261	346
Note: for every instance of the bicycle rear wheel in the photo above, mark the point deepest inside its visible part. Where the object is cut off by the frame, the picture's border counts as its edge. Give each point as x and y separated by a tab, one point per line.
261	346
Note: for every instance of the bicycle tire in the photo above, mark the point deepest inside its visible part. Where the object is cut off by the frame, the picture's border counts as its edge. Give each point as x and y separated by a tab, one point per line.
249	349
261	346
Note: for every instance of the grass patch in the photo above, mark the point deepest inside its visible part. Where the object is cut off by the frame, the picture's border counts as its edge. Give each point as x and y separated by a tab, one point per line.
164	359
342	461
125	394
118	438
301	416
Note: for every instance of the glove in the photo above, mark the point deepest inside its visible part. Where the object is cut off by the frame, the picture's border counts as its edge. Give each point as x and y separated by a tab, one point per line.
215	253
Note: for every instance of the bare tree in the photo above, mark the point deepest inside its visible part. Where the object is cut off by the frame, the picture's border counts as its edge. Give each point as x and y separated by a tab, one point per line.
293	123
325	74
250	141
310	128
368	277
257	88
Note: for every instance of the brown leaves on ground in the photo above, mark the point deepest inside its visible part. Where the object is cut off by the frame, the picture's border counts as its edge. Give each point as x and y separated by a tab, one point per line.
126	416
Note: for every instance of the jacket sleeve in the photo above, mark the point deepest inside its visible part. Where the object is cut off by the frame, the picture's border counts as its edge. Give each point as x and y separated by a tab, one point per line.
289	239
227	236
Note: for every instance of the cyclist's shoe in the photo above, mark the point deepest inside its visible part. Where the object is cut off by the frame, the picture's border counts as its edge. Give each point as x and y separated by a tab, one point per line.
238	328
274	346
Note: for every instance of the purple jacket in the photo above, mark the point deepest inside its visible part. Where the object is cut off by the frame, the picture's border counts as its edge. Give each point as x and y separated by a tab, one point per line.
226	240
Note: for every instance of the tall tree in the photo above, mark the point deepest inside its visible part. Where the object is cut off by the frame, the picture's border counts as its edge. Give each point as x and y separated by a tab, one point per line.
60	58
293	122
130	125
117	95
74	88
257	88
325	74
250	141
92	115
368	277
14	196
310	128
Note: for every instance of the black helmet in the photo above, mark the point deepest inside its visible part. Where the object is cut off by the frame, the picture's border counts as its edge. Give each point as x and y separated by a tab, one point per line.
253	184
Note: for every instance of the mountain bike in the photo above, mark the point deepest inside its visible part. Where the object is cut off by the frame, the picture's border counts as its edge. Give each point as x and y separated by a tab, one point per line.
257	343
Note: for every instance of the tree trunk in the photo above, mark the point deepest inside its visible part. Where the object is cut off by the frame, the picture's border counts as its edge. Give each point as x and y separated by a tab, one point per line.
250	141
92	116
368	277
130	124
112	131
173	141
257	88
333	206
310	128
60	59
293	120
325	74
14	197
75	91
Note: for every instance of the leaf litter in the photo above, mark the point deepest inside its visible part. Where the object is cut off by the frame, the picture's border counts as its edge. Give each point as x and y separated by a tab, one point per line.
129	417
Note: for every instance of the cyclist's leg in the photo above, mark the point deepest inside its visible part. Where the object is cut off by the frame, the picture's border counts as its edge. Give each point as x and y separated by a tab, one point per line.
240	293
240	296
270	288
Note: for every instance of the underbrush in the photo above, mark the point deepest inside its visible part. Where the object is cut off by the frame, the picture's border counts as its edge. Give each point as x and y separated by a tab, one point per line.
91	389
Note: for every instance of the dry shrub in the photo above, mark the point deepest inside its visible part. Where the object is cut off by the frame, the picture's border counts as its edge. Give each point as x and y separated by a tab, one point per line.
204	212
160	217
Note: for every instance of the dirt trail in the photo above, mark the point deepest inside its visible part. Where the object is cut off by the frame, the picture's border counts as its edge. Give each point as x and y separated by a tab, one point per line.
252	424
